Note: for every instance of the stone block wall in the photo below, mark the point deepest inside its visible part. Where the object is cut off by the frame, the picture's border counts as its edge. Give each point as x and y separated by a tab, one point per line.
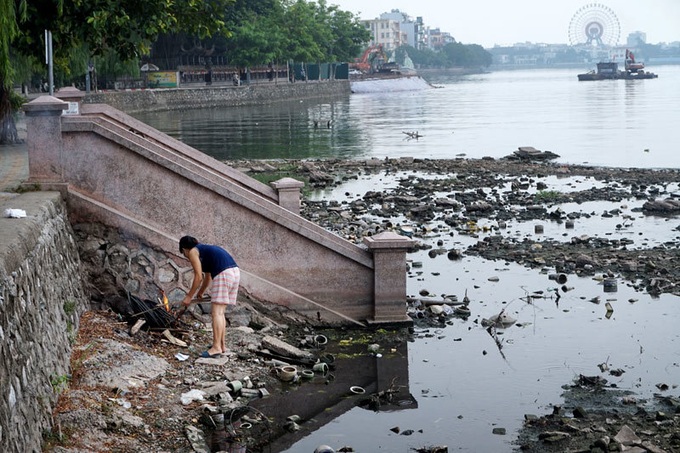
41	300
117	263
217	96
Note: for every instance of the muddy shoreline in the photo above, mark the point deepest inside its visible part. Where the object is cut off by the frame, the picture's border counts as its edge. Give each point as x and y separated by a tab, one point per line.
460	193
497	192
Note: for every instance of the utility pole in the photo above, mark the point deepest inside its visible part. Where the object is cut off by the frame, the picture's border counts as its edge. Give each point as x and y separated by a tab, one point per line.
50	64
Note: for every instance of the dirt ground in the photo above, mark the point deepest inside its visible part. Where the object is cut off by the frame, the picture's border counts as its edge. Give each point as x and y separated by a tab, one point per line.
149	415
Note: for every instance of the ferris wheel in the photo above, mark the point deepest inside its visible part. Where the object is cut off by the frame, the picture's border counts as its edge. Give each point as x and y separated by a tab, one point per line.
595	25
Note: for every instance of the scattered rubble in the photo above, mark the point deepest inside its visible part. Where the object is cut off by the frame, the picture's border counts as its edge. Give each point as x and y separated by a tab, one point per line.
130	383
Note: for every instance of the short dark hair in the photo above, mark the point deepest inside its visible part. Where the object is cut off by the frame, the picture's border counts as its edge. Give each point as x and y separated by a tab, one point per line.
187	242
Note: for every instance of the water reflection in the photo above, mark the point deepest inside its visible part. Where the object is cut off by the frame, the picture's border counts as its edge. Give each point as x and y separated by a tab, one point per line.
295	130
320	401
609	123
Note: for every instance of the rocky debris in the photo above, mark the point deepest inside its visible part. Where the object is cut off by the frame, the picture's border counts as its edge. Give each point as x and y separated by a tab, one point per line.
531	153
282	348
607	423
120	367
128	392
497	192
667	206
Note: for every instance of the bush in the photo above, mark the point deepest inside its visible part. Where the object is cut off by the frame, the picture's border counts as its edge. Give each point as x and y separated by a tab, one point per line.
16	100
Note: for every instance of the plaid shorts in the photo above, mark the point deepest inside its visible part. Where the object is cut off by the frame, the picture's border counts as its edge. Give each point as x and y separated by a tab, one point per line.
224	288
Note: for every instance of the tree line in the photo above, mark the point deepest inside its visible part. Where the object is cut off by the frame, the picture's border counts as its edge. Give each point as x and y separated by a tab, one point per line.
114	38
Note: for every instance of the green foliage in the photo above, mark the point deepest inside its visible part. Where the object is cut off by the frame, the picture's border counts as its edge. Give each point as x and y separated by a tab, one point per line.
59	383
470	55
16	100
70	307
296	30
451	55
547	196
10	30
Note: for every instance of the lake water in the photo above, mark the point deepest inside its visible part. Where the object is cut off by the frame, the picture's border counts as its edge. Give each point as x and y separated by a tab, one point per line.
464	382
611	123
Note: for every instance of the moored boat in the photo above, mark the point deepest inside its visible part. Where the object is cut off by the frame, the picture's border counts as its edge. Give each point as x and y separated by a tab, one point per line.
610	70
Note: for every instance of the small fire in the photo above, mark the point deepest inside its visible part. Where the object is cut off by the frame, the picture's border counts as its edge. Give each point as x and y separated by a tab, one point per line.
165	301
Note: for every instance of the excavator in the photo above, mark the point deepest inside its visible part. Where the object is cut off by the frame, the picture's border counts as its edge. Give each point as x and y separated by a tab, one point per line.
631	65
374	60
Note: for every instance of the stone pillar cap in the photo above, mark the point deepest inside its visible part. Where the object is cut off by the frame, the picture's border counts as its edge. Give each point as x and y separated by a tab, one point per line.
71	93
45	103
388	240
287	183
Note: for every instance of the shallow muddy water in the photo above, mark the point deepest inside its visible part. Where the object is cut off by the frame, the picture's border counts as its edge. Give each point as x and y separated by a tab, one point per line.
466	381
463	385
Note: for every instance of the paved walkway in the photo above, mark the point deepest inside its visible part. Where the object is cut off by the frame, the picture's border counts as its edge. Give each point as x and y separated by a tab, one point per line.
13	163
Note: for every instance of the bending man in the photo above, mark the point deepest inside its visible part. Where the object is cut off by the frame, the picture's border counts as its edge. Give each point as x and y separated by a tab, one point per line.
212	264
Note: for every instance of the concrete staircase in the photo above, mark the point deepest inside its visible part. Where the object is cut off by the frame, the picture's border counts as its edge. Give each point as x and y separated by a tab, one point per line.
117	171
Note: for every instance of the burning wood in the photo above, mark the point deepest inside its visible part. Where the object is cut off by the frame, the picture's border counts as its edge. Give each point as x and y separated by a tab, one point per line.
156	315
165	301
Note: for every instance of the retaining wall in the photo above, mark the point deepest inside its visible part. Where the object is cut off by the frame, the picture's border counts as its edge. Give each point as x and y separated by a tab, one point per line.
217	96
41	299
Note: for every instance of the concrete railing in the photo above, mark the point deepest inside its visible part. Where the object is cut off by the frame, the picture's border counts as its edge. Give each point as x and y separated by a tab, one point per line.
119	172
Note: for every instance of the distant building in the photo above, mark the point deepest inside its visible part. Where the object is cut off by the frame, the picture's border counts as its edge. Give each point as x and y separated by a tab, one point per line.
396	29
436	39
636	38
386	32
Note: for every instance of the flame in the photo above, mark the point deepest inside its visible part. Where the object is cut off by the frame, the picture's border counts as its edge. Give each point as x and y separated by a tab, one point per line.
165	301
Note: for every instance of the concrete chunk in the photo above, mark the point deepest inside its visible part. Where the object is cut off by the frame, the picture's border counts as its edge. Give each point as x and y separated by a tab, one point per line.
282	348
626	436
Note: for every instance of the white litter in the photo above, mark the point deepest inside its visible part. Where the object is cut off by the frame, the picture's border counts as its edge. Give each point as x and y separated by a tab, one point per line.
121	402
15	213
192	395
181	357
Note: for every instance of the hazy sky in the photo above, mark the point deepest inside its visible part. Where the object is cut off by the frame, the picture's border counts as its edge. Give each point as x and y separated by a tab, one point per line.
505	22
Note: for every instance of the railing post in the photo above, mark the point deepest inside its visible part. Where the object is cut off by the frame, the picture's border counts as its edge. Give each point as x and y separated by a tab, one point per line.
73	96
289	193
389	261
43	137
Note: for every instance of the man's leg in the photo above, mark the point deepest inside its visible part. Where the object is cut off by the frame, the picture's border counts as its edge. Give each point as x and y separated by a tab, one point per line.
219	326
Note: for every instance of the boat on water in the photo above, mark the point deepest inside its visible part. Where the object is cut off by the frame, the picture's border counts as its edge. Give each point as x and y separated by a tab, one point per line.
610	70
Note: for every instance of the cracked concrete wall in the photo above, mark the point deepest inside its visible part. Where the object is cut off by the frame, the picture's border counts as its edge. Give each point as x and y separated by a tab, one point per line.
41	299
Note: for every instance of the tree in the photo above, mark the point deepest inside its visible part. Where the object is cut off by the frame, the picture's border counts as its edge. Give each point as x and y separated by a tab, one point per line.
125	27
277	30
345	37
421	58
471	55
10	29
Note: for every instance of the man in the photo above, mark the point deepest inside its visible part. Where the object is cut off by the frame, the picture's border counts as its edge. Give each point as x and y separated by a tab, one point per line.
212	265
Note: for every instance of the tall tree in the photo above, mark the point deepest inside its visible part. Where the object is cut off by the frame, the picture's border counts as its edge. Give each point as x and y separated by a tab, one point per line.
125	27
10	29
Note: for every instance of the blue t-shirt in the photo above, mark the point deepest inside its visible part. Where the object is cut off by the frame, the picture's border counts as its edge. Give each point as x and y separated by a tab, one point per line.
214	259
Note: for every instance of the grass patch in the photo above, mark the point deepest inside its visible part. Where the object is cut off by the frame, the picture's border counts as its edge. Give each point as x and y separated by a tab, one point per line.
69	307
59	383
547	195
